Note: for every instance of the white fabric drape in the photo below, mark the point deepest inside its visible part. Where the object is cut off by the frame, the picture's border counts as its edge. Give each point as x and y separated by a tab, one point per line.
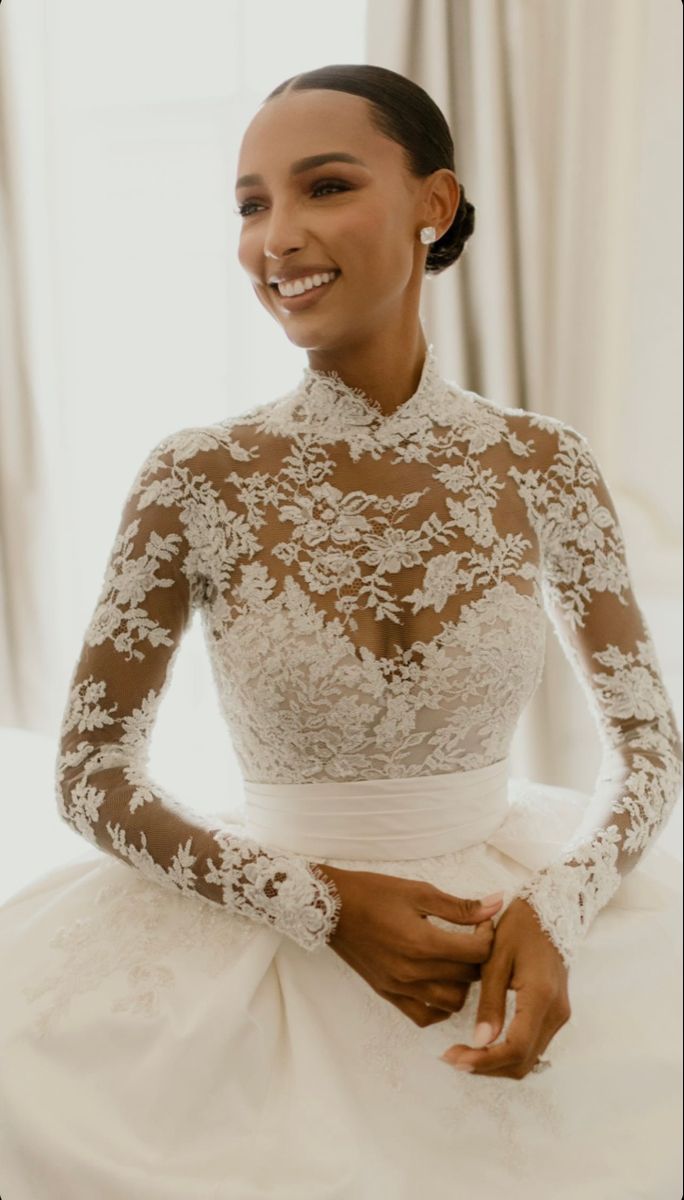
566	122
29	583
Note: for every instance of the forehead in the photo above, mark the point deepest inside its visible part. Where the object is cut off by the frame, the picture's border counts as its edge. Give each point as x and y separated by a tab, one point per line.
299	124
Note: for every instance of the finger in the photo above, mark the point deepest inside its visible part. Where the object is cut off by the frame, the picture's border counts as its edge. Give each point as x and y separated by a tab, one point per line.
456	908
491	1008
521	1044
478	950
441	994
519	1069
420	1014
442	972
440	946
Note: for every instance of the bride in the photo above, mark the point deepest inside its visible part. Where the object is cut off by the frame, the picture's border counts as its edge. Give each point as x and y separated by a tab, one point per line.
390	968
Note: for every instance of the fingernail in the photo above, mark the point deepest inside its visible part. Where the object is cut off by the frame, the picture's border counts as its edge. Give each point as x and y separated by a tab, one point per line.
493	899
448	1058
483	1034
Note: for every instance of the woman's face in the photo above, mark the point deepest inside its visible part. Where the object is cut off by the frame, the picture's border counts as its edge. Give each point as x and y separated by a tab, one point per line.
359	219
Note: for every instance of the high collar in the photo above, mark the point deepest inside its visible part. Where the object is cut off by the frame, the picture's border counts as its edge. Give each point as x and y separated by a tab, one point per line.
327	385
323	406
323	409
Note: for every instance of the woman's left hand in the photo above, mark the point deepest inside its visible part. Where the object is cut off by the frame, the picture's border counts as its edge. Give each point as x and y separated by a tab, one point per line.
524	958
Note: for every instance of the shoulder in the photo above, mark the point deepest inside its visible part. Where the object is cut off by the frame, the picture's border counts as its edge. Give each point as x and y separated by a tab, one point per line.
564	453
538	440
558	435
193	449
525	420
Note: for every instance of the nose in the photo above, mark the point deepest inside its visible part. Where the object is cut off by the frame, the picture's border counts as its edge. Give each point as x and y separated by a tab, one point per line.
282	235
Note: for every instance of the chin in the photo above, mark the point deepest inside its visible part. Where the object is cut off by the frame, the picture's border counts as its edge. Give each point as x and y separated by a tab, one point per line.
308	339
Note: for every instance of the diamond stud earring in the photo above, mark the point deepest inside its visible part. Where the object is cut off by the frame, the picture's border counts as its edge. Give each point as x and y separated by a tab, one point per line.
427	234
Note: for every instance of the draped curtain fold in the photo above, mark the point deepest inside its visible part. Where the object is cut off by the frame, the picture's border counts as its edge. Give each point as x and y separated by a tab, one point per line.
29	575
566	127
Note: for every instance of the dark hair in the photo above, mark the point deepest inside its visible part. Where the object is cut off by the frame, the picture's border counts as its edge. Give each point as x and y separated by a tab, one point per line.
403	111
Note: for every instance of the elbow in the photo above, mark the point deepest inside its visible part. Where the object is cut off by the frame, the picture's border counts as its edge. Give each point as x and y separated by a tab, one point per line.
77	799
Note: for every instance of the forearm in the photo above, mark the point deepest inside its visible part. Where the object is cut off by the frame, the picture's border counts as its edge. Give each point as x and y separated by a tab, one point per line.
123	812
632	801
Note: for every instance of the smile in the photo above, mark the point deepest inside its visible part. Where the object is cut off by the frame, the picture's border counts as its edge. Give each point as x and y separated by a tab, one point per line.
305	299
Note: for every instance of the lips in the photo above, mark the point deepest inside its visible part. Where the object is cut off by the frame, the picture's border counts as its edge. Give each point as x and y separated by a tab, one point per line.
305	299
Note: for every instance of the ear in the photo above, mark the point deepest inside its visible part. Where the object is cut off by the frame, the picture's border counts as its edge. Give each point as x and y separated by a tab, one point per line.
441	200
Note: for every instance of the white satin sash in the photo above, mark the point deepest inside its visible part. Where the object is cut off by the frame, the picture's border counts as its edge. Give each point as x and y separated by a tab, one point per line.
380	818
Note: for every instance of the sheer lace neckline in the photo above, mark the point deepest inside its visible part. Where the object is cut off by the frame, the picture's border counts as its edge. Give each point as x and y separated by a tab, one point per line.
324	392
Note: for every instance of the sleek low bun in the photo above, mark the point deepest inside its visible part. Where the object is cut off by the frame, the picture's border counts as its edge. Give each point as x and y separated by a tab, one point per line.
450	246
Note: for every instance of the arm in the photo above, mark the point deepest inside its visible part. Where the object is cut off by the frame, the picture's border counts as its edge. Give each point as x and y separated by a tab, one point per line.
589	599
151	586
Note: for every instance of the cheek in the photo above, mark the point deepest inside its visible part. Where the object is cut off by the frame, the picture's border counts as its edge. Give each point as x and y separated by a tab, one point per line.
367	243
386	261
246	255
250	258
365	229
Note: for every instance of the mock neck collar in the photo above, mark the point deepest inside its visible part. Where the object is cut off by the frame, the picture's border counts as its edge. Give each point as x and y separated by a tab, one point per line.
329	385
322	406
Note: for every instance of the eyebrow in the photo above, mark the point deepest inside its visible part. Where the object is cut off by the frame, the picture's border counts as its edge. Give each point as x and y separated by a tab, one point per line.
304	164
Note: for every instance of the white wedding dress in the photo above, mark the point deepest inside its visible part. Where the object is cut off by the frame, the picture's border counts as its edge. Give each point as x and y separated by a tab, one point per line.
375	592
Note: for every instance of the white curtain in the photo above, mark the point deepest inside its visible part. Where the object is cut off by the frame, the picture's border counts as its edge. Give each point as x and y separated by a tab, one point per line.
29	431
566	119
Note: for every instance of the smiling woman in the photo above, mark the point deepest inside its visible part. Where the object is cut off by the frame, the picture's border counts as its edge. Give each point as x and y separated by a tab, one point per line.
362	221
374	554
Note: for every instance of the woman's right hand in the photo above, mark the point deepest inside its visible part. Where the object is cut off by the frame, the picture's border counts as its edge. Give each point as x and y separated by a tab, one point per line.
384	935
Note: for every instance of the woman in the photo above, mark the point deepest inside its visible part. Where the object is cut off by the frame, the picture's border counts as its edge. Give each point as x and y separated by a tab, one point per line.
271	1003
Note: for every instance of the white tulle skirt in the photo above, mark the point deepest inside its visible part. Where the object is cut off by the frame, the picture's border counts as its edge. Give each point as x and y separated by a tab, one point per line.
156	1048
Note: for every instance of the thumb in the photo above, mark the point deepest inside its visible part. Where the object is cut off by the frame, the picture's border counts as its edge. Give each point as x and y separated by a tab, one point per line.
491	1009
460	910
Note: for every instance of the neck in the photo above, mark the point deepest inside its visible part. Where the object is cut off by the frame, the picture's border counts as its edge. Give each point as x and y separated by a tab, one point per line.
386	369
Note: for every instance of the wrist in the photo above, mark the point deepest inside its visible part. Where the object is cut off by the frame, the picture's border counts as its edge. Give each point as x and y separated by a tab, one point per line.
325	872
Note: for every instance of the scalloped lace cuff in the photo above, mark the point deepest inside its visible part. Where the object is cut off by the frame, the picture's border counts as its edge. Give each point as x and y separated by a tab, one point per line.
567	895
283	891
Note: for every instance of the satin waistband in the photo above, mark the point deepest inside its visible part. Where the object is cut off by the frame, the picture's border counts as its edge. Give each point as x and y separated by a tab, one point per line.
380	818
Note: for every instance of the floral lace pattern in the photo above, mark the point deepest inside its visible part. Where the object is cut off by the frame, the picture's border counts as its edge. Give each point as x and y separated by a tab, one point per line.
138	952
586	579
373	591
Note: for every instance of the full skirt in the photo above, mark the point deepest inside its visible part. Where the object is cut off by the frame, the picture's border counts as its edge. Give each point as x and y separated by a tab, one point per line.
157	1048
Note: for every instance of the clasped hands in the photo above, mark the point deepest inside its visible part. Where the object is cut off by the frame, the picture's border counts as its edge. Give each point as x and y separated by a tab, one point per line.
425	970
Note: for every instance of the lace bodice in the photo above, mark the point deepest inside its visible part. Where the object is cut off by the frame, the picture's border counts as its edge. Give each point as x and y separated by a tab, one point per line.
373	591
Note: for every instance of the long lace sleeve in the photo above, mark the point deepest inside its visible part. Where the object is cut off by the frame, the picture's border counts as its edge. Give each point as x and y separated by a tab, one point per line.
589	599
152	584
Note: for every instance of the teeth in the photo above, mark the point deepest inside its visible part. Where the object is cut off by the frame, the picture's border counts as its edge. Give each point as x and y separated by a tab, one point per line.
296	287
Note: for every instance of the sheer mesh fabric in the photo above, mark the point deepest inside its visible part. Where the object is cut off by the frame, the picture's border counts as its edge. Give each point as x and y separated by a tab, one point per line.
374	591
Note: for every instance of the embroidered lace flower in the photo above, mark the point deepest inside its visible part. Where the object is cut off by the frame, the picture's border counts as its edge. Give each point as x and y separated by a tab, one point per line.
373	591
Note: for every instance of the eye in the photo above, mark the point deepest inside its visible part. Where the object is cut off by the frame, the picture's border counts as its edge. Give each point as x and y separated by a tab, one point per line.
336	183
246	209
242	210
